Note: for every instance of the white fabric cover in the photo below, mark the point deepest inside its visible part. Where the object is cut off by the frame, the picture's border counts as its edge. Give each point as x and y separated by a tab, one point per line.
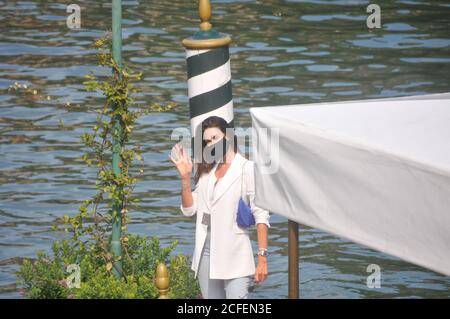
376	172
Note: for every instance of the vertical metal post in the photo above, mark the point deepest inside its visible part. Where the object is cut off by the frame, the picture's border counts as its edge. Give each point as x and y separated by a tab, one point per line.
116	245
293	268
162	281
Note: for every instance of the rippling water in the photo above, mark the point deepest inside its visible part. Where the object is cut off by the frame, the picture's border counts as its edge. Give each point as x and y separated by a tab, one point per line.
283	52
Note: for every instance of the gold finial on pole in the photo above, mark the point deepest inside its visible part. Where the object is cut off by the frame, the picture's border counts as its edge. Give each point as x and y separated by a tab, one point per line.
206	37
162	281
204	10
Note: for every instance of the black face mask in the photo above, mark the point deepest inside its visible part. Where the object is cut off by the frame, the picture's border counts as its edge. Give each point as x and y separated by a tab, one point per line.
216	152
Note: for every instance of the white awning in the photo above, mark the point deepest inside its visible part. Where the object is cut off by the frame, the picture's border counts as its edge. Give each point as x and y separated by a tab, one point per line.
376	172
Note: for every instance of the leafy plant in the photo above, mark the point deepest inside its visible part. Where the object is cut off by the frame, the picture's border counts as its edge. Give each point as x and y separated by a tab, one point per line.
46	277
183	285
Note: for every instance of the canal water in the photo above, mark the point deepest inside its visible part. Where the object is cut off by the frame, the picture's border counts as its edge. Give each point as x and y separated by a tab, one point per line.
283	52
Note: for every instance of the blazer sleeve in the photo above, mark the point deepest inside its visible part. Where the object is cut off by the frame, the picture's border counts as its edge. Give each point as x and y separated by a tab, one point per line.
190	211
262	216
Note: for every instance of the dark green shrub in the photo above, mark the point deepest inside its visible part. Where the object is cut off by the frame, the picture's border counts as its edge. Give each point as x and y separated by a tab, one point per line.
46	276
89	244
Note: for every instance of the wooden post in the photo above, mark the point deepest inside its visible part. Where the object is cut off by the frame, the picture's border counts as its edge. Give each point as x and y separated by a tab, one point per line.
293	263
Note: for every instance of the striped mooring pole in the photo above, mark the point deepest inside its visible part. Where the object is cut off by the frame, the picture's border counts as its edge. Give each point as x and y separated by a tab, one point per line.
209	90
209	76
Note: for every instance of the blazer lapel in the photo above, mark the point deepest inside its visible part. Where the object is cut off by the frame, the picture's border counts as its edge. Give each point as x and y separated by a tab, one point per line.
233	172
209	186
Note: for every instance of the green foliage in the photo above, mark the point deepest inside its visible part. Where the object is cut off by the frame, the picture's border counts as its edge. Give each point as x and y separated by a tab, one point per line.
46	277
41	279
90	229
143	254
182	285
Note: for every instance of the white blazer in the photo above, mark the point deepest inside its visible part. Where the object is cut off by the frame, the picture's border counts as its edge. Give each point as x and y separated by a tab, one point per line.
231	254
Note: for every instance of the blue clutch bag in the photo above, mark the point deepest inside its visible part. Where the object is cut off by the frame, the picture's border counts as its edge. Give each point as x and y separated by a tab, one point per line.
245	218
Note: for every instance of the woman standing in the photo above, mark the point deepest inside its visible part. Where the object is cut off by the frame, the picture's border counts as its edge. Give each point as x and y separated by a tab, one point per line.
223	258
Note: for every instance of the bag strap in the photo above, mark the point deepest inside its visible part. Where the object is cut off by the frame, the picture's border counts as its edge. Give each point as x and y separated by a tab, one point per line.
242	178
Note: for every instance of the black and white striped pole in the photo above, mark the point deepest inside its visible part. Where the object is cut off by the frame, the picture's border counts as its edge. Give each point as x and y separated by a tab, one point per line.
209	75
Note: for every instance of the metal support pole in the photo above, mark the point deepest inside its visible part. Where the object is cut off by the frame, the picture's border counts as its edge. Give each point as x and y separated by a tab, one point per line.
293	268
116	246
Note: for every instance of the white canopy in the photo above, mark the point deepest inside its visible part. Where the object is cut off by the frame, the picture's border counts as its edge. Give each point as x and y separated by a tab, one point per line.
376	172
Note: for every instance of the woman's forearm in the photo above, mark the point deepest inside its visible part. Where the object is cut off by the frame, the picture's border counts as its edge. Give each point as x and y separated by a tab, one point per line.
262	242
186	193
262	235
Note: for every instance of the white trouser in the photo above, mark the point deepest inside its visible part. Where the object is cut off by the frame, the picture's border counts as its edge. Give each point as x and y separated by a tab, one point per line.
236	288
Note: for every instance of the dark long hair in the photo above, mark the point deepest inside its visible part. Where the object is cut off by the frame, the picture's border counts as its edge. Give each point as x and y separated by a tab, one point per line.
213	121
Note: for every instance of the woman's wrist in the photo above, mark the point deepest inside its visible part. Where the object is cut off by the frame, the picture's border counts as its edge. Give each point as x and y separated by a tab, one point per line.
262	252
186	182
262	259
